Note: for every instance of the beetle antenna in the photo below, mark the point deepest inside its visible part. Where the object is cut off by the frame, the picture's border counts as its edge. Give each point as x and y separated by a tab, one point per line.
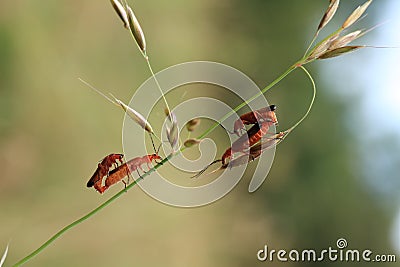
158	149
152	142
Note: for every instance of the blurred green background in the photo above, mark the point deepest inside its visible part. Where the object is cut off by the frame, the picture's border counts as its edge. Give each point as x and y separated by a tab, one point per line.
329	179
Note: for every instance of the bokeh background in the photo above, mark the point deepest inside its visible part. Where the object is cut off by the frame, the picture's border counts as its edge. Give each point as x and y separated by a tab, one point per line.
335	176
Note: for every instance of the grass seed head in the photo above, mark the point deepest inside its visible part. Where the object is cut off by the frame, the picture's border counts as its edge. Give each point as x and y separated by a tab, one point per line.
136	30
330	12
322	48
173	135
135	116
340	51
357	13
118	7
191	142
344	40
192	124
170	115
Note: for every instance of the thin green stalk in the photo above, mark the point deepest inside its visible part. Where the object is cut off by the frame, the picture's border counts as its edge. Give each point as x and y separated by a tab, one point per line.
311	103
146	57
311	43
158	85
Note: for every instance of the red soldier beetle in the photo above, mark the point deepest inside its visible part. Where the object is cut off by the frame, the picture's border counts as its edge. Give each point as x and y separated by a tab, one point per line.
266	114
262	120
127	168
103	168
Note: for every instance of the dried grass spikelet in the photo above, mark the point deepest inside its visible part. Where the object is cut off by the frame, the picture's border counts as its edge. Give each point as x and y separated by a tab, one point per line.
191	142
170	115
135	116
173	132
136	30
322	48
344	40
331	47
192	124
172	136
336	45
339	46
329	13
340	51
357	13
119	8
